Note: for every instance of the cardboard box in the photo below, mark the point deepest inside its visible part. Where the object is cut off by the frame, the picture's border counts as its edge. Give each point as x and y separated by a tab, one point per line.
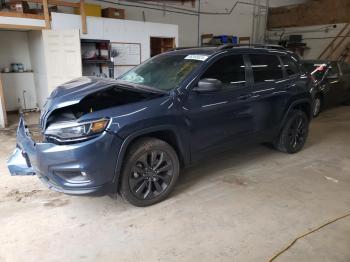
113	13
90	10
19	6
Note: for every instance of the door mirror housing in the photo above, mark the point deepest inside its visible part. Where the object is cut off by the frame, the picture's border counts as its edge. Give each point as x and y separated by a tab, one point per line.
208	85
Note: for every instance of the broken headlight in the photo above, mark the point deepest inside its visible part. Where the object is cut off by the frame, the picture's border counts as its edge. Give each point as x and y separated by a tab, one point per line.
70	130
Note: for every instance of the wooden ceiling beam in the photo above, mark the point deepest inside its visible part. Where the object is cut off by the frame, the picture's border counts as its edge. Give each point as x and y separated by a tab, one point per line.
21	15
83	17
46	14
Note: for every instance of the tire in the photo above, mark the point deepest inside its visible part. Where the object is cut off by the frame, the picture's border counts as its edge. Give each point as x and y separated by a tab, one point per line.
149	173
317	106
294	133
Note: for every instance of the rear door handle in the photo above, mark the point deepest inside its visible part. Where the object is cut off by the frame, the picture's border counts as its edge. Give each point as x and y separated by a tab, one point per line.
244	97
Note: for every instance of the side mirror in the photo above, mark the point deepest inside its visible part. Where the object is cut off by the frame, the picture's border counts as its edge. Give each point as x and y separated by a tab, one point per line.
207	85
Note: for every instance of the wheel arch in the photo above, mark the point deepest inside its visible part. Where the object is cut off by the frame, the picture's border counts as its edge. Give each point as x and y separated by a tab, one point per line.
301	104
166	133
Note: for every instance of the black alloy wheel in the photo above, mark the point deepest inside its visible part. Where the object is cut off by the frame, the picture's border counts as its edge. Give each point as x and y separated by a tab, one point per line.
298	131
150	172
294	133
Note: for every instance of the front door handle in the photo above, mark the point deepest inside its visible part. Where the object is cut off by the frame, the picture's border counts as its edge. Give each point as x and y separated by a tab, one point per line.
244	97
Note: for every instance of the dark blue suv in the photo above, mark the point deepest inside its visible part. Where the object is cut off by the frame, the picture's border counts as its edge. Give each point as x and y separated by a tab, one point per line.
134	134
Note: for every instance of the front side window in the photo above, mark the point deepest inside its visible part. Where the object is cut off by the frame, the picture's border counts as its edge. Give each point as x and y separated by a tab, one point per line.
266	68
164	72
230	70
290	66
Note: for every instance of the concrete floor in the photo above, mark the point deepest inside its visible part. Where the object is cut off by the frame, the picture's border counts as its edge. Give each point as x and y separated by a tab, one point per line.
244	205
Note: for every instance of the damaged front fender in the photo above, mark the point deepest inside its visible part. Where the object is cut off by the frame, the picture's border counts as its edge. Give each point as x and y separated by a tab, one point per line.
18	163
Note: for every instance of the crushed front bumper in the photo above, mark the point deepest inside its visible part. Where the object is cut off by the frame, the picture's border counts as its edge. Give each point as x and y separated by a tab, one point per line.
86	167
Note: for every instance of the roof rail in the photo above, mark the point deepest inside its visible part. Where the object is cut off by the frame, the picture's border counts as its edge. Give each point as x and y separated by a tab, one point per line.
230	46
269	46
190	47
225	46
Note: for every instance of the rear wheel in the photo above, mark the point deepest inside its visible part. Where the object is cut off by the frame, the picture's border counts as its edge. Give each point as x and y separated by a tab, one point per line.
294	133
150	172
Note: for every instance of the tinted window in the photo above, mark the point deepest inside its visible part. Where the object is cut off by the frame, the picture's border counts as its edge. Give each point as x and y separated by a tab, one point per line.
333	69
290	65
345	67
266	68
230	70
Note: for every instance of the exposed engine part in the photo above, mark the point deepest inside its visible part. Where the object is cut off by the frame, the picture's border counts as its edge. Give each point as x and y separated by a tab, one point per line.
108	98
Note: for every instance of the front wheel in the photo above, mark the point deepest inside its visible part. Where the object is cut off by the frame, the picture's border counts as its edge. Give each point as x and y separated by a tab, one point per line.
294	133
149	173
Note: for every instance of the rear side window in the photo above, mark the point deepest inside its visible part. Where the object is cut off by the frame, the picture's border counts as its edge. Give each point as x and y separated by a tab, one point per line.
333	69
290	65
230	70
266	68
345	68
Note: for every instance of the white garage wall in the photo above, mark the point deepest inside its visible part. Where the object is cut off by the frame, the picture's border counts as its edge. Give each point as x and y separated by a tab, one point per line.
37	57
239	22
14	49
117	30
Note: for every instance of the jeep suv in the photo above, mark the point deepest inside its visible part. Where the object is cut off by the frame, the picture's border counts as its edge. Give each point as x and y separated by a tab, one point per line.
133	135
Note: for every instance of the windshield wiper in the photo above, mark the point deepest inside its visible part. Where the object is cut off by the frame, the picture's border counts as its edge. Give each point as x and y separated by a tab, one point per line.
141	87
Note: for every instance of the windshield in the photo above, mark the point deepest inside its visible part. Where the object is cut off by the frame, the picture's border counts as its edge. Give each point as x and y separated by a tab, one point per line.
164	72
317	70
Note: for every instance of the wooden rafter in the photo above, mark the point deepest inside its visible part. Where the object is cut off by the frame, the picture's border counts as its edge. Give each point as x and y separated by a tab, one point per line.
22	15
83	17
29	27
46	14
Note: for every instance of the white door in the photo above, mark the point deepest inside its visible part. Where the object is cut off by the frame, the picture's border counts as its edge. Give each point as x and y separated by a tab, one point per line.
62	56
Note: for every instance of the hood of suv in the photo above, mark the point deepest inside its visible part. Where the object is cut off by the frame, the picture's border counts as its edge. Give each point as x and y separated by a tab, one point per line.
88	94
83	86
